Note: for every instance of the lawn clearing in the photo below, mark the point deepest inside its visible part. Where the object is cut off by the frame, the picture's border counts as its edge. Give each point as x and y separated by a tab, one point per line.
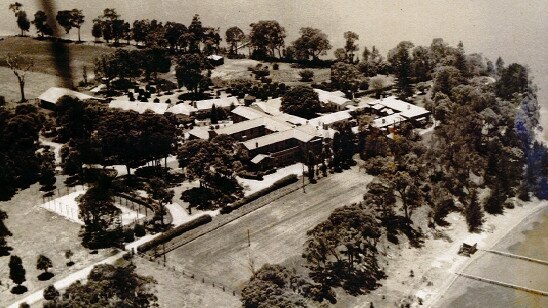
36	84
44	62
277	231
38	231
237	68
176	290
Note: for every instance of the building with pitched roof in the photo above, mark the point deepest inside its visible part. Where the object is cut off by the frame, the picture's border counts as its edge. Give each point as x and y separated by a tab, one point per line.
333	99
140	107
49	98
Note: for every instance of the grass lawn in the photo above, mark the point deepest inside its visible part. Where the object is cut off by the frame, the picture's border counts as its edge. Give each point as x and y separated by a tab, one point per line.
40	51
277	231
237	68
175	290
36	84
44	74
38	231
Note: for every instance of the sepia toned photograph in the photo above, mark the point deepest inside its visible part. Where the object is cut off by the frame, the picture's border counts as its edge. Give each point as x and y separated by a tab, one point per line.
273	153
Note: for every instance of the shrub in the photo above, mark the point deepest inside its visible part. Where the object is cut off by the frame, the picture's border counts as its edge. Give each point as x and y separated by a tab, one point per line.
139	230
128	235
306	75
170	234
276	66
156	100
251	175
2	100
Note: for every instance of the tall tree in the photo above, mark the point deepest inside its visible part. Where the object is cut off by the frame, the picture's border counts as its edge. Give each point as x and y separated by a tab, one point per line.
266	37
140	30
43	263
197	32
473	212
21	17
311	44
41	23
77	19
401	63
343	146
64	19
17	271
345	77
350	46
4	232
101	218
234	36
20	67
97	29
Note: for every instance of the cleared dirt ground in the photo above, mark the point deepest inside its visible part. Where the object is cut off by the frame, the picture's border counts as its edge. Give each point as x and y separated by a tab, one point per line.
277	231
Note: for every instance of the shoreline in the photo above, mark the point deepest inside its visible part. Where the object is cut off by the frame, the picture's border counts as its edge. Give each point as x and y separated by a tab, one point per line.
527	214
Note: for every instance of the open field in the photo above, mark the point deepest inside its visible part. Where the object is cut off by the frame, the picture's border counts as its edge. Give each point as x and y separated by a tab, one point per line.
176	290
41	52
36	84
277	231
44	74
38	231
237	68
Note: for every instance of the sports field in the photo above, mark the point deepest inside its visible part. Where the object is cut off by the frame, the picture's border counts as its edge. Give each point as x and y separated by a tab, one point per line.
277	231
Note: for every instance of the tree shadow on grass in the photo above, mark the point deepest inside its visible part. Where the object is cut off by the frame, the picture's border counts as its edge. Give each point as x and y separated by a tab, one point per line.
19	290
5	251
45	276
396	224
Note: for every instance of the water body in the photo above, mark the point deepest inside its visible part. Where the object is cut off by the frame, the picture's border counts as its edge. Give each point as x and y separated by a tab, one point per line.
528	239
514	30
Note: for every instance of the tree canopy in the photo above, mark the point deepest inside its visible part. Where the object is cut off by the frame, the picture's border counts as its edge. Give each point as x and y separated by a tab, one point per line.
311	44
301	101
266	37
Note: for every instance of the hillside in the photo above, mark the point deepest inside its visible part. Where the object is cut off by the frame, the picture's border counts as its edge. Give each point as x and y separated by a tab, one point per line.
40	50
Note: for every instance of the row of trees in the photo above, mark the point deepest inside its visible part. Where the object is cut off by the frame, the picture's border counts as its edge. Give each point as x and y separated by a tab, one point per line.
68	19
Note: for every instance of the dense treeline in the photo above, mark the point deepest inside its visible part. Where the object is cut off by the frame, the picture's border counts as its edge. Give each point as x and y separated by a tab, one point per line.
19	161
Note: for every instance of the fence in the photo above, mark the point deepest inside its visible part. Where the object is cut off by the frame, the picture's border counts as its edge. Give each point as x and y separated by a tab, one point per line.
199	278
61	192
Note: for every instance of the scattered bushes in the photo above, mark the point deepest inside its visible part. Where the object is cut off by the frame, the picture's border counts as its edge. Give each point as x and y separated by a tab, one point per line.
170	234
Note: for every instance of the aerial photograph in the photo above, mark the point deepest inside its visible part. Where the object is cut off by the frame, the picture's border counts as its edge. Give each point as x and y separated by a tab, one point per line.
273	153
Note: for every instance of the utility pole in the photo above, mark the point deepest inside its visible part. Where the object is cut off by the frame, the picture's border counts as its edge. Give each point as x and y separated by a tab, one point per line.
248	239
164	253
303	178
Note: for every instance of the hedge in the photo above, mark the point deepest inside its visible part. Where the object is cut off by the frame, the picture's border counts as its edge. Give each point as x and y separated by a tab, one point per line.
171	233
292	178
